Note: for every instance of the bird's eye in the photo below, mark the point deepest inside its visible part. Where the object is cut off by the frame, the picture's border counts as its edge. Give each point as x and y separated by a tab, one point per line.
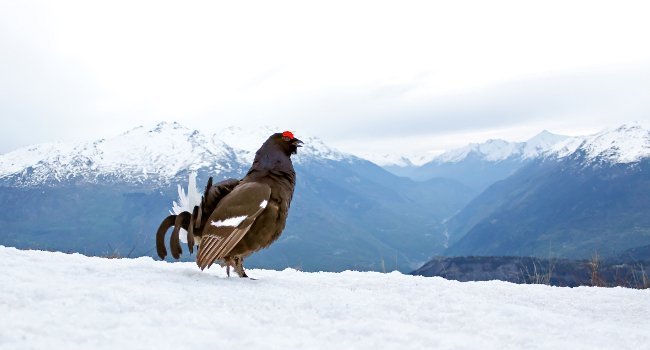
286	138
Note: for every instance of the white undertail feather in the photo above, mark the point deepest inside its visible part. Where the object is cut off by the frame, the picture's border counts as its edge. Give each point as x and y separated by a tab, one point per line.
186	201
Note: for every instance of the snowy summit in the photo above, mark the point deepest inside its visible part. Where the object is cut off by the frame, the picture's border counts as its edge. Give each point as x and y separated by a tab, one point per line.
138	154
142	154
628	143
497	150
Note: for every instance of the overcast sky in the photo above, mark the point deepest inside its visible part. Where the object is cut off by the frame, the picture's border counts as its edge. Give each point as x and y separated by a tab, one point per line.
366	76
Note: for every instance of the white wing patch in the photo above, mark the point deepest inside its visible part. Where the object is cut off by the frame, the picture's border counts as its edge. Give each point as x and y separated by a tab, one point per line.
264	203
234	221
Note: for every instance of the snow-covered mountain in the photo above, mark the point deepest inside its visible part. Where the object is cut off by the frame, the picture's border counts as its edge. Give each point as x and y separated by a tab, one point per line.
397	160
628	143
492	150
625	144
478	165
158	154
588	194
140	154
499	150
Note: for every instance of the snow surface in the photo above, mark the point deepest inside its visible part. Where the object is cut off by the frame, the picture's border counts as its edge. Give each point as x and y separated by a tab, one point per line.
61	301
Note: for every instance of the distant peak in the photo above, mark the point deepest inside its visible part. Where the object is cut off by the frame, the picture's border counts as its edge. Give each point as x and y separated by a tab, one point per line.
168	126
544	133
130	131
633	126
498	149
627	128
495	141
545	139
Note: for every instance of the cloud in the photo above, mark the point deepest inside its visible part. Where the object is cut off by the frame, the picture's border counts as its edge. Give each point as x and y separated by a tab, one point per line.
361	74
564	103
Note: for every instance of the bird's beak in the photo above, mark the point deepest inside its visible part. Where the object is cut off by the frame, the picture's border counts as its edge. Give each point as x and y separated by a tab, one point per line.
297	143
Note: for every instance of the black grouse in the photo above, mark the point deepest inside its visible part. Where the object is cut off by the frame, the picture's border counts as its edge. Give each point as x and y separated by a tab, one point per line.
239	217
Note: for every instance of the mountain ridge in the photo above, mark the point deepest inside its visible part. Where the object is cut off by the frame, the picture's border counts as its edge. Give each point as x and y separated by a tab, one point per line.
479	165
159	154
113	156
590	196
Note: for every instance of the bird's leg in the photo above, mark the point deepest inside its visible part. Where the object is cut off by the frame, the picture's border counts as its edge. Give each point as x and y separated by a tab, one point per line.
227	263
239	267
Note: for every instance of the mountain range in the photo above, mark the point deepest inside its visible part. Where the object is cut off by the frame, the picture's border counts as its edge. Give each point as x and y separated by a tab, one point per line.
552	195
108	196
584	196
479	165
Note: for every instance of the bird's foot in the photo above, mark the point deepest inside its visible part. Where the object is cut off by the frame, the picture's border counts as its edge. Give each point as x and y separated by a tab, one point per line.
239	267
237	264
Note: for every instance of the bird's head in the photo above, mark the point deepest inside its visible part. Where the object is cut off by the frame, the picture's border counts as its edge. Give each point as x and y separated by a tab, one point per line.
287	142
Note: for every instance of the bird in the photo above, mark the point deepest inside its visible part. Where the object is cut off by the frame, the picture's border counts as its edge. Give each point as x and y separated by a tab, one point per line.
237	217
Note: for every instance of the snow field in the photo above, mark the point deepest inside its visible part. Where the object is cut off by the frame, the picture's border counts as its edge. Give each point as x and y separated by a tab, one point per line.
62	301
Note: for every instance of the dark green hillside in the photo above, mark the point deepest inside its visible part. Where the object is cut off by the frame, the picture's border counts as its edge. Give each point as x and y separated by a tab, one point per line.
560	208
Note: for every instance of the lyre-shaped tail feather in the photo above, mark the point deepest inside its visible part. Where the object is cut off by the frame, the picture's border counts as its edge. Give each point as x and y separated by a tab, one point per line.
207	188
192	222
190	228
182	221
160	235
